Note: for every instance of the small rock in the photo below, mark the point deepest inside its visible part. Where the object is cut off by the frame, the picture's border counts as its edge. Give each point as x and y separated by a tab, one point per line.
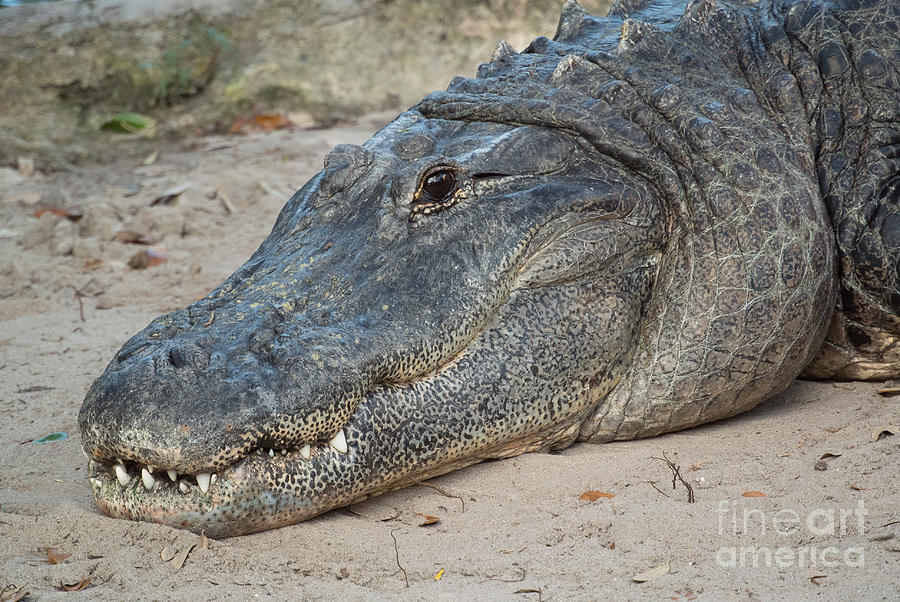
26	166
41	233
87	248
101	222
63	237
9	178
820	465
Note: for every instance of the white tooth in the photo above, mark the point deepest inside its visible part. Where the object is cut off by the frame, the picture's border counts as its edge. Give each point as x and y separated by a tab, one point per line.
183	487
148	479
271	453
203	481
212	479
172	475
93	481
259	452
122	474
306	451
151	469
339	442
283	452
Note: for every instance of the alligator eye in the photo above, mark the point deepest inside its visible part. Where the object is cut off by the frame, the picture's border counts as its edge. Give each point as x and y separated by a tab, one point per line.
439	185
439	189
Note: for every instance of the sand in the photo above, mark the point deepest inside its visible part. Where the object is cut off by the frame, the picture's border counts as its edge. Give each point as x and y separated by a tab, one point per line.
515	529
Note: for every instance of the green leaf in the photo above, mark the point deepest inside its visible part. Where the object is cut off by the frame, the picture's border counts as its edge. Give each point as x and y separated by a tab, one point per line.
129	123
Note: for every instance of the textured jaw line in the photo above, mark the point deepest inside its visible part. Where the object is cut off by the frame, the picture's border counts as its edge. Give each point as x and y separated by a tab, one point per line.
211	502
125	473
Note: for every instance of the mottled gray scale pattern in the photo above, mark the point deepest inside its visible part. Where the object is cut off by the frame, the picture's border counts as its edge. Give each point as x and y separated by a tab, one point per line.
651	221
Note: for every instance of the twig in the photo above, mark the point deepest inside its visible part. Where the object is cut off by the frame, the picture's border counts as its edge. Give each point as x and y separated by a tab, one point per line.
531	590
519	579
397	555
653	484
676	476
80	295
445	493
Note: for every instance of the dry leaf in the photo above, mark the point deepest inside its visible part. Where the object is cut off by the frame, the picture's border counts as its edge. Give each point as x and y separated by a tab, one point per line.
74	214
178	561
74	587
168	553
884	431
593	496
814	576
223	198
238	125
271	122
429	520
655	572
829	455
169	196
151	158
91	264
54	556
134	238
440	574
753	494
146	258
857	488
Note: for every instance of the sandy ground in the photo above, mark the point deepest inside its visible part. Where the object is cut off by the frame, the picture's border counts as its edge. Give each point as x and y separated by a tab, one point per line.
515	529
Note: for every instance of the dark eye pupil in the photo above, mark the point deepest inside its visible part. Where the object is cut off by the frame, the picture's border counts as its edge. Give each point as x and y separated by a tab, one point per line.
439	184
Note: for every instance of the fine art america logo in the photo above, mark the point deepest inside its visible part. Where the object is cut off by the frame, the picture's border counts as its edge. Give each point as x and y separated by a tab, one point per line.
742	523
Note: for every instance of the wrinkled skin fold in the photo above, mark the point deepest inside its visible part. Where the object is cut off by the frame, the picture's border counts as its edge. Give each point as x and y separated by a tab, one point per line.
586	242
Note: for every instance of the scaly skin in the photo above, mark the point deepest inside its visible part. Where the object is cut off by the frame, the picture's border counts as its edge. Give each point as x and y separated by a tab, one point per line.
645	224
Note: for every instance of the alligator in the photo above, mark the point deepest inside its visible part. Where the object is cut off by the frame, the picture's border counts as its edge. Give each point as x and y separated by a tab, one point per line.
656	219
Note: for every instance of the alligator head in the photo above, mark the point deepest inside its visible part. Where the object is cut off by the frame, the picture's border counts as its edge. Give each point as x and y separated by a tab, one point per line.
476	281
447	293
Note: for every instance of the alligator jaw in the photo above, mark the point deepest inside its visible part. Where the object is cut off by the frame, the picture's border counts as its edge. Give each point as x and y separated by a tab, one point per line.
241	499
234	501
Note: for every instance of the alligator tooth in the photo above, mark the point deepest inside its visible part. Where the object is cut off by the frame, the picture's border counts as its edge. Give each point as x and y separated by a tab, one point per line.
259	452
203	481
271	453
148	479
339	442
212	479
151	469
183	487
283	452
306	451
172	475
122	474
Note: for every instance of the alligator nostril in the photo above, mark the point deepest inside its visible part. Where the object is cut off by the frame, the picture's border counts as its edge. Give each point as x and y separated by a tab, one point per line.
177	358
